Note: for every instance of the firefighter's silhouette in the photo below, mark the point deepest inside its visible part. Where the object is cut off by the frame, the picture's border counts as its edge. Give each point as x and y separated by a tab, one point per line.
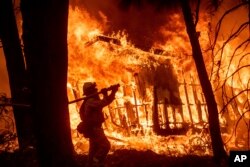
92	117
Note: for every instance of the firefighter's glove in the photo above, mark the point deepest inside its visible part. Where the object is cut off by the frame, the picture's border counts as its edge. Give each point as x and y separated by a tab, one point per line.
104	91
114	88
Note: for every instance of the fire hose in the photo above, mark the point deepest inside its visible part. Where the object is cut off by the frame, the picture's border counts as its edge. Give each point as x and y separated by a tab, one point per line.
94	94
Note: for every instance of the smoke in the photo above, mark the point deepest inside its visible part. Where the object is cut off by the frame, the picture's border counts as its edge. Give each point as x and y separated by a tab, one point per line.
141	20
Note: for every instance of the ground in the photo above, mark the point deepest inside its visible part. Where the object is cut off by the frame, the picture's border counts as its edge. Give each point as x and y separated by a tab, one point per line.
120	158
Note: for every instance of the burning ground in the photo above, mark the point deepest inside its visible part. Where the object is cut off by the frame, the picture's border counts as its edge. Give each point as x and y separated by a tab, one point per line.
121	158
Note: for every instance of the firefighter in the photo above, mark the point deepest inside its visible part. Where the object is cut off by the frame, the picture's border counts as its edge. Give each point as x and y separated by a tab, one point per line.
92	117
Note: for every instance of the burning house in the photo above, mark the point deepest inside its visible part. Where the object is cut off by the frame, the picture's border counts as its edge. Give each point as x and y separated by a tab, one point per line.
153	99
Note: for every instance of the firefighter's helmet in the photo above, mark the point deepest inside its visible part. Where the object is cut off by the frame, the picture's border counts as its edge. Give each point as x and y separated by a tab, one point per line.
89	88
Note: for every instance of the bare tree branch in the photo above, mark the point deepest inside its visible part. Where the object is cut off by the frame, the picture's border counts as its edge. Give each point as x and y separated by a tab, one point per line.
233	98
218	26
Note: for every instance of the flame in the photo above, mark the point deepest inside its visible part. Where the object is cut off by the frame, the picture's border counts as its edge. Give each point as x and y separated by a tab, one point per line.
114	59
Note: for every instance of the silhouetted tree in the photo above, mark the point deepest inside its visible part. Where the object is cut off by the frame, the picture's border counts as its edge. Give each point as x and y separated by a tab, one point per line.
213	118
16	72
45	48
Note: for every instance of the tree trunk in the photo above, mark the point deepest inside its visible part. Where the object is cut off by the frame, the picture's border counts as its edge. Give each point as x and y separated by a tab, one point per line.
16	71
214	125
45	46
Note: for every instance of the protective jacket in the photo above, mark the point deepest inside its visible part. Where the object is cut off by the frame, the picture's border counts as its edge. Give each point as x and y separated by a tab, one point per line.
91	111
